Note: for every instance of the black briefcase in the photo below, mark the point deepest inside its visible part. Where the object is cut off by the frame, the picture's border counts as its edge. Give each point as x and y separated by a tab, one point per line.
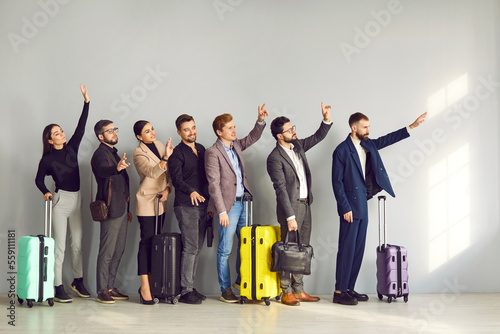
293	257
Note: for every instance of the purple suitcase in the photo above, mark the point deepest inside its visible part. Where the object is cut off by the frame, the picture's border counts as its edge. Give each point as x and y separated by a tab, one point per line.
392	264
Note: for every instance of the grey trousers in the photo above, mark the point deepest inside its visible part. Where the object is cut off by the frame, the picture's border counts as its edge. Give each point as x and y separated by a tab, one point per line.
111	248
67	218
293	283
193	225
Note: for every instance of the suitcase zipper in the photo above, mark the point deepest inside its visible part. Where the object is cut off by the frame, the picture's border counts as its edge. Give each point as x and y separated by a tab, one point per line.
400	274
254	266
42	272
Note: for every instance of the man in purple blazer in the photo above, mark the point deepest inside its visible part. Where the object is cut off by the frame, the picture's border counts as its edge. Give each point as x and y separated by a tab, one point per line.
227	184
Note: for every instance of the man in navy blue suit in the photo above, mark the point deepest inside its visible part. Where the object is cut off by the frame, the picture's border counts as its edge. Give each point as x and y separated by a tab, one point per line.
357	175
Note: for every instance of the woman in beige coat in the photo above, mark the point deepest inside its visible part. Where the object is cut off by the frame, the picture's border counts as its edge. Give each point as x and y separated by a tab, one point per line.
150	160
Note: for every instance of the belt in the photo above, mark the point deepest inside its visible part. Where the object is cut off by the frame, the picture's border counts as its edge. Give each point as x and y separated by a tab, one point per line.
303	200
239	199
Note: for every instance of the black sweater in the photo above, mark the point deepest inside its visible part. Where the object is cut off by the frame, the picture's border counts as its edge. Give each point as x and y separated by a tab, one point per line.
62	164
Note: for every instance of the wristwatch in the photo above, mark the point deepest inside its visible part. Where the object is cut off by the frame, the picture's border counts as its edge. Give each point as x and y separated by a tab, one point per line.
163	159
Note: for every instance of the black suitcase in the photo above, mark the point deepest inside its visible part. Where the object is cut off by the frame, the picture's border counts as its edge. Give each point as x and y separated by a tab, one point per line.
166	250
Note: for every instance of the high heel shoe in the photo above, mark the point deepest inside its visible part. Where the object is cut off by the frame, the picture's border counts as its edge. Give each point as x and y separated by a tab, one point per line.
145	302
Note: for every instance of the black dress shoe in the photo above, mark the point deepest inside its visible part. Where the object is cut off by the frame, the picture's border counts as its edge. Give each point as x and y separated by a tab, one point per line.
199	295
359	296
117	295
344	298
145	302
190	298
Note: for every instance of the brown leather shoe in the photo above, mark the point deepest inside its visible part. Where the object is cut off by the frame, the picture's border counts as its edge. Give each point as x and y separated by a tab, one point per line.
289	299
304	297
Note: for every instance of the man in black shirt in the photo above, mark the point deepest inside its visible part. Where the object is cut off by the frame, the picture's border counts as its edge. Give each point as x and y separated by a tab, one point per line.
109	171
187	169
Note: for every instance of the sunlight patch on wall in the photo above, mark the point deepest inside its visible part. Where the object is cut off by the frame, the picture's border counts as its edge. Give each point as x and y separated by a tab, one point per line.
449	207
448	95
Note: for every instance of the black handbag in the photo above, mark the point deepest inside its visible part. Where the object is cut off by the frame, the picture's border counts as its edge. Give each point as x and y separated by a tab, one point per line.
293	257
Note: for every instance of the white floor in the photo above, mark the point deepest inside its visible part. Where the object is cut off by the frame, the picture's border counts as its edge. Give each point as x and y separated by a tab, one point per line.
447	313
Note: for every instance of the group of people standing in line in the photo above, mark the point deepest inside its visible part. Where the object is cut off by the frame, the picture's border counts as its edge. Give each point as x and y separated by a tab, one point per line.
210	185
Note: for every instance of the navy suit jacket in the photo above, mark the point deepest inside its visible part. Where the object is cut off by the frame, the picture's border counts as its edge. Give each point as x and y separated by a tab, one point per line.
347	176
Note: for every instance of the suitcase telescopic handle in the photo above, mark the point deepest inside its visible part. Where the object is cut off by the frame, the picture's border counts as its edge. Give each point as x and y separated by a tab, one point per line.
382	219
248	209
158	196
47	227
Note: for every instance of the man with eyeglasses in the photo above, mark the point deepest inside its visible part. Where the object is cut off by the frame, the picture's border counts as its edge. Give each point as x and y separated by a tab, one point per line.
289	171
110	172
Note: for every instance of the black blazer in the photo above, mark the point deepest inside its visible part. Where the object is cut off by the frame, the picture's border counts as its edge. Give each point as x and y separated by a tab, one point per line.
103	172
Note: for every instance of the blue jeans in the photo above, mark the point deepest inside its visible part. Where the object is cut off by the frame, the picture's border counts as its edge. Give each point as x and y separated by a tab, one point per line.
237	220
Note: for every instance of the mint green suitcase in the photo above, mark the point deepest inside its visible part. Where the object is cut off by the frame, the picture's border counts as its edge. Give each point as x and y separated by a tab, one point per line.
35	265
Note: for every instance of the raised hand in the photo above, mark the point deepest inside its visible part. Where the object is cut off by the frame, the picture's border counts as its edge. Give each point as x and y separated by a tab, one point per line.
122	164
262	113
419	120
326	112
85	93
169	148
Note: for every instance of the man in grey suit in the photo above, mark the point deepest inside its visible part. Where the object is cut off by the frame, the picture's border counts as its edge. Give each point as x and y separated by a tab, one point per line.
227	184
288	168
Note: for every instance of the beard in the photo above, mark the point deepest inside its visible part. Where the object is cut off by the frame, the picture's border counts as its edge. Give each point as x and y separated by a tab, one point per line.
190	139
291	140
110	141
361	136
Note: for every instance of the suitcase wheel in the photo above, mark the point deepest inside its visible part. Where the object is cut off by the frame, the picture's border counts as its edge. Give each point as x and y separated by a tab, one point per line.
174	300
156	300
389	299
19	300
242	300
29	303
380	296
51	302
266	300
406	298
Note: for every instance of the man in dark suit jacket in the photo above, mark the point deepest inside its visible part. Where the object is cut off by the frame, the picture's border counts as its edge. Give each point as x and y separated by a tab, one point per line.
106	165
227	184
288	168
357	175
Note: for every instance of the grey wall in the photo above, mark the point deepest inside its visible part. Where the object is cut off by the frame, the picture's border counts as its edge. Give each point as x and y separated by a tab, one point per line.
390	60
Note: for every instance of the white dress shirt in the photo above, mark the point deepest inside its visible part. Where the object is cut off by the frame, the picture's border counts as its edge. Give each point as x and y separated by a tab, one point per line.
301	173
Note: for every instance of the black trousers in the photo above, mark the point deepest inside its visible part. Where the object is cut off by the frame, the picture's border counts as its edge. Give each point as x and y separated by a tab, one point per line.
147	224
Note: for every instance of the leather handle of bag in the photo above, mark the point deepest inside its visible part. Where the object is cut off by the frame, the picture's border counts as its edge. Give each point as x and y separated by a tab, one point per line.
109	185
285	244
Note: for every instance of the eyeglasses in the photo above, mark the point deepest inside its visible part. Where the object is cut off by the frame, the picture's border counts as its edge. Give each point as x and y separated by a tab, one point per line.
110	131
293	128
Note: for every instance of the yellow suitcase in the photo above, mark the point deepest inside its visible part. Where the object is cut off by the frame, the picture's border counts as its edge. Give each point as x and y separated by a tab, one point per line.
257	280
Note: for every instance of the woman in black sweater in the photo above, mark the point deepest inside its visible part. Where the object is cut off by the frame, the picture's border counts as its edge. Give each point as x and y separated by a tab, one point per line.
60	160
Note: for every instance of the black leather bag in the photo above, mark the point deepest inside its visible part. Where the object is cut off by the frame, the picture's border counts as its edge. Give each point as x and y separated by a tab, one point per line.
293	257
99	209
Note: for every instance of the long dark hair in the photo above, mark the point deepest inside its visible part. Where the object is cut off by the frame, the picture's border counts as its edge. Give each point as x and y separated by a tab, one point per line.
46	136
138	126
